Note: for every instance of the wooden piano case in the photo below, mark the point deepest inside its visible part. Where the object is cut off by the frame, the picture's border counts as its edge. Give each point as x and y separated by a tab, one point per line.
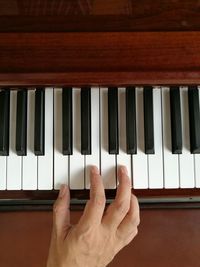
76	43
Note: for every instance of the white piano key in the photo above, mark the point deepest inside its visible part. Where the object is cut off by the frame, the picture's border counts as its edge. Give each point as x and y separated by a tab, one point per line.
186	159
45	163
29	162
108	161
3	164
93	159
123	158
197	170
60	160
139	160
14	162
155	161
77	159
197	162
171	162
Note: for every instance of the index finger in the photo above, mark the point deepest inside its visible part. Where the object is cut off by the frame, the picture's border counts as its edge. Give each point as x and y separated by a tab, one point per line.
95	206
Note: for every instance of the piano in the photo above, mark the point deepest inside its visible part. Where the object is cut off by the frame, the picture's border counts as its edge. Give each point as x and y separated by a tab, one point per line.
72	96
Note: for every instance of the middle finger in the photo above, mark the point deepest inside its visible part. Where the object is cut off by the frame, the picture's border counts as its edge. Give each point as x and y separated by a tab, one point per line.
116	212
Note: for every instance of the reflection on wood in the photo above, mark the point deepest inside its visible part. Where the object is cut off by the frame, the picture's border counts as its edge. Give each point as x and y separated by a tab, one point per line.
55	7
140	14
112	7
176	10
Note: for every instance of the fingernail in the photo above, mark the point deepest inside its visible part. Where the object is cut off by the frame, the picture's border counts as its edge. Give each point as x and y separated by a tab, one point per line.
62	192
94	170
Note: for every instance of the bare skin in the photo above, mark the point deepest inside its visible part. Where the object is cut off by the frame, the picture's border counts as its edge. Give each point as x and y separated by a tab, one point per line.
100	233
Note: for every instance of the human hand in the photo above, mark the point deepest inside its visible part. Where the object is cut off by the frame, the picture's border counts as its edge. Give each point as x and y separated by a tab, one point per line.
99	235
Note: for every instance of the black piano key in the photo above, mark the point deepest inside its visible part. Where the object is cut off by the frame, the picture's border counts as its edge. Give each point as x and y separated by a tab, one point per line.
113	130
21	123
67	139
176	124
39	147
86	121
4	122
148	120
131	140
194	119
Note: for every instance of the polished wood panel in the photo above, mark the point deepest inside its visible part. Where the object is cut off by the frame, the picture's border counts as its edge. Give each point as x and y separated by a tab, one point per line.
166	238
99	58
99	15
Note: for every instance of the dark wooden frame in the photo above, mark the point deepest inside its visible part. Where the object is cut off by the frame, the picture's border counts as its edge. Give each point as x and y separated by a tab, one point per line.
99	58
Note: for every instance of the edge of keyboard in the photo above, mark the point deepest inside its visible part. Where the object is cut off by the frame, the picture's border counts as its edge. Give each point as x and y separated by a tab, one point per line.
148	199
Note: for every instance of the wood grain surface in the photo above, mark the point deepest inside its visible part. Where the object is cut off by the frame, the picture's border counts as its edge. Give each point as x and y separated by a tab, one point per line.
99	15
166	238
99	58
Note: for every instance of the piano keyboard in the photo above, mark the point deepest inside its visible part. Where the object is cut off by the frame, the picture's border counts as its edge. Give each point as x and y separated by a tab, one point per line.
51	136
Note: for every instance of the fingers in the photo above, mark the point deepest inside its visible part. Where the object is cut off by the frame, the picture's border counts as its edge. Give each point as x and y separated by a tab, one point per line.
94	208
61	212
128	226
120	206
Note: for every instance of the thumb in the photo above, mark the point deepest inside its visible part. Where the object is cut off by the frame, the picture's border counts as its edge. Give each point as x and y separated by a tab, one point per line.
61	212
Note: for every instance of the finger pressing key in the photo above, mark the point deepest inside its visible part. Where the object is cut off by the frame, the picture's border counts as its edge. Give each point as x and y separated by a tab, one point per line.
120	206
94	208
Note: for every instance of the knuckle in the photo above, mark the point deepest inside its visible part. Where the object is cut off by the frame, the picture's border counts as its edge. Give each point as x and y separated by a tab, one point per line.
138	221
126	184
86	237
131	236
132	232
122	207
135	219
127	181
95	183
57	207
135	232
98	200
